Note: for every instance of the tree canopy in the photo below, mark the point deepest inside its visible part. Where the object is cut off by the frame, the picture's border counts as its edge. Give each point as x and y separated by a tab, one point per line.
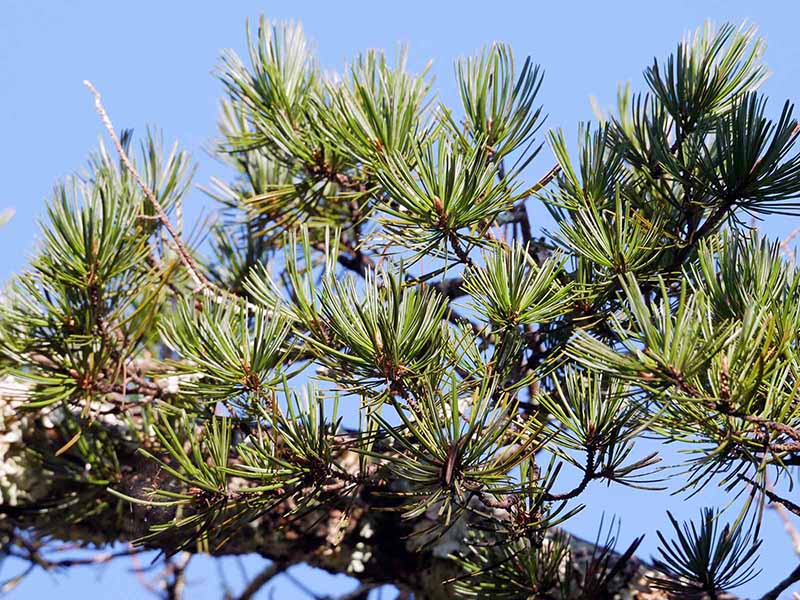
375	361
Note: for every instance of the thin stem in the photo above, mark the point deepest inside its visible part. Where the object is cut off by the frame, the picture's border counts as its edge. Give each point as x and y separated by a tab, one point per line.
793	577
177	570
588	474
262	579
783	514
520	211
202	283
788	240
461	253
194	272
360	593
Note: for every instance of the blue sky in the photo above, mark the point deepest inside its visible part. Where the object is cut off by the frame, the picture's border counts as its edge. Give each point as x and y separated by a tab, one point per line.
153	61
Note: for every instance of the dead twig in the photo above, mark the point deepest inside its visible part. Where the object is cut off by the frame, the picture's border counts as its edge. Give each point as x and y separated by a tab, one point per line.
197	276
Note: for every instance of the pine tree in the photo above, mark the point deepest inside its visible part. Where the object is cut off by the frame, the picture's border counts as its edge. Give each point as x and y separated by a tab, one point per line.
376	363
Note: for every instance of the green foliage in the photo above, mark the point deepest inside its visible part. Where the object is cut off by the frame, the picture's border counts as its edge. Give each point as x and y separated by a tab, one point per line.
91	297
201	501
512	289
518	571
598	417
451	452
659	343
596	222
556	568
377	252
232	353
741	272
707	72
705	560
499	105
390	335
377	111
444	189
281	84
751	162
297	450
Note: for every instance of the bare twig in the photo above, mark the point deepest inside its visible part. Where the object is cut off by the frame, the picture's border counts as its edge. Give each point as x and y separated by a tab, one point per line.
520	212
176	574
788	240
197	276
548	177
589	473
138	571
33	552
461	253
360	593
201	282
773	497
262	579
787	522
793	577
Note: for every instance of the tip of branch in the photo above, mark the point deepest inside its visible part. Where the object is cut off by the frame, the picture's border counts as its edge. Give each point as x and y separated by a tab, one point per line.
92	89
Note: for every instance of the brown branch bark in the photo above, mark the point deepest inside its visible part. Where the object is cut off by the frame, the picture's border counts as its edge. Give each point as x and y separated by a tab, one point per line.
376	547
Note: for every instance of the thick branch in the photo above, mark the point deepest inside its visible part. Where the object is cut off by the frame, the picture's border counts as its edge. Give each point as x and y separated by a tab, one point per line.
377	547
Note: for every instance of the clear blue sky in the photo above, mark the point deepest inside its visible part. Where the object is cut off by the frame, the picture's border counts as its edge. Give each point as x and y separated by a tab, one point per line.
152	61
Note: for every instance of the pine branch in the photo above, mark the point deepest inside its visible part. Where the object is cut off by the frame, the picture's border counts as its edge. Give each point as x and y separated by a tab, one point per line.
395	557
632	317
